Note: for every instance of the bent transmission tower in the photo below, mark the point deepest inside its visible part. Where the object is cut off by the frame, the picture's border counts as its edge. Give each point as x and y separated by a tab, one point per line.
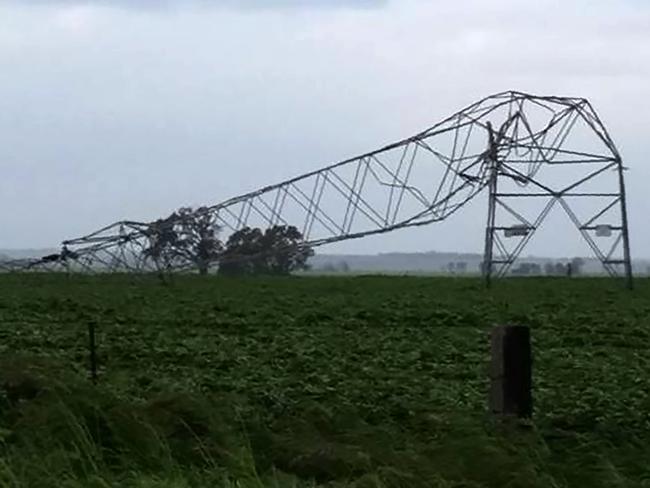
530	153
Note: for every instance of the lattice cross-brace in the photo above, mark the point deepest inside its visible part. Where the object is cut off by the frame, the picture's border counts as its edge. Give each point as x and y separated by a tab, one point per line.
576	168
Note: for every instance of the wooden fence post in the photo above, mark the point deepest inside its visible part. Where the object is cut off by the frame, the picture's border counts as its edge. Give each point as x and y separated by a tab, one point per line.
511	372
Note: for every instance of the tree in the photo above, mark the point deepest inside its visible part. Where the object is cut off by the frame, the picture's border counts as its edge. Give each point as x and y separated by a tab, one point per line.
522	269
528	269
242	254
284	249
162	243
199	243
278	250
549	268
185	236
577	265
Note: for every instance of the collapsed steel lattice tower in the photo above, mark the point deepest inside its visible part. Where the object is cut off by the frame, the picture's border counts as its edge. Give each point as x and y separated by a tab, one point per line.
553	151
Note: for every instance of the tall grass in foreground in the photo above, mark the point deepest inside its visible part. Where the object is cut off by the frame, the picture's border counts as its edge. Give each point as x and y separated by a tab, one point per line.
59	431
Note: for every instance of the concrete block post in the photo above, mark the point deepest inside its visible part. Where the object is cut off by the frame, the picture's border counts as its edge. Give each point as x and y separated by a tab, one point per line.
511	372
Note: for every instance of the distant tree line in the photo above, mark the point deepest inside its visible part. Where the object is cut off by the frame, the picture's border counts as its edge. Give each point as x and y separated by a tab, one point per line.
574	267
191	237
457	267
335	267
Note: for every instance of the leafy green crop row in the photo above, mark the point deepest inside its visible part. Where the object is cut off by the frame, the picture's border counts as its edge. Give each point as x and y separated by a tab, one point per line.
403	359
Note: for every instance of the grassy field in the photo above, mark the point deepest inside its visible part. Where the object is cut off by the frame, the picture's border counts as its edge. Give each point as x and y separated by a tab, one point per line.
301	382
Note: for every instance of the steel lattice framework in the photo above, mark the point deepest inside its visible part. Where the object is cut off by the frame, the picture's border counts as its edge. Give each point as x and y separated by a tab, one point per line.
530	153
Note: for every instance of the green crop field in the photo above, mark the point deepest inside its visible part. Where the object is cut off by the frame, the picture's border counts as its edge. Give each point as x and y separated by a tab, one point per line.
308	381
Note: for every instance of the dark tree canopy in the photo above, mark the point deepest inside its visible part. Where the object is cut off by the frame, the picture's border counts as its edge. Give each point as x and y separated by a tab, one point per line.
243	253
532	269
278	250
162	239
577	265
187	235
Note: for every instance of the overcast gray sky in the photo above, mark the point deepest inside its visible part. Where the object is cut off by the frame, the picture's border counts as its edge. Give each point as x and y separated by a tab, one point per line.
129	109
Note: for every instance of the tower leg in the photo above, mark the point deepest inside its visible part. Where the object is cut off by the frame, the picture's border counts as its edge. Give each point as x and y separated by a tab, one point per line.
625	230
489	234
488	258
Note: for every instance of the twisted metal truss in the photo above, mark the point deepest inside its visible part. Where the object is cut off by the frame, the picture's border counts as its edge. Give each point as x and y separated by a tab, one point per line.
511	138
